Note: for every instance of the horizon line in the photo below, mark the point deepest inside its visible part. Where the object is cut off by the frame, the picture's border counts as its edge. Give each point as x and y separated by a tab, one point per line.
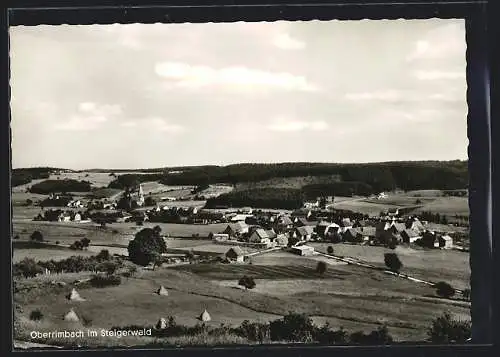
236	163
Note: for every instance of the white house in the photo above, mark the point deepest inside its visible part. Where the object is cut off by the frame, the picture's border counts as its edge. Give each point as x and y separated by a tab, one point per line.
77	217
444	242
303	250
303	233
331	229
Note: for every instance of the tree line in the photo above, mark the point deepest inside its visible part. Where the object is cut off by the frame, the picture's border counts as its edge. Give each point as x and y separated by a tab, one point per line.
68	185
24	176
375	177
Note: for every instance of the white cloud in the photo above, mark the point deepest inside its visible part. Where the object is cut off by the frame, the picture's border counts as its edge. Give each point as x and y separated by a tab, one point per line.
195	77
285	42
129	124
445	41
436	75
162	125
90	116
79	123
294	126
388	95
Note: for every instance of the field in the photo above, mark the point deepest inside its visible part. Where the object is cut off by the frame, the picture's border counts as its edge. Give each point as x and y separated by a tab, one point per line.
434	265
428	200
347	296
45	254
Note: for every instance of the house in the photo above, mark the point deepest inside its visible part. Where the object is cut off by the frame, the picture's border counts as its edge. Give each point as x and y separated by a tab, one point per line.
77	217
345	224
321	228
239	218
352	235
260	236
247	210
410	235
368	232
397	227
381	195
235	254
415	224
220	237
236	229
444	242
303	250
301	222
284	222
332	228
303	233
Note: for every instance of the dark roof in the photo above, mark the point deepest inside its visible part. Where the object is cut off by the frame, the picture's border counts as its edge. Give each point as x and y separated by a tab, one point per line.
237	250
285	220
305	230
410	233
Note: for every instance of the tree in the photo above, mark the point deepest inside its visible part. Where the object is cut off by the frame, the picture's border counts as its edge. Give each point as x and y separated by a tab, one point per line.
444	289
145	245
36	315
157	260
29	202
85	242
103	255
322	203
247	282
466	294
446	329
76	245
392	262
109	267
321	268
36	236
329	250
149	201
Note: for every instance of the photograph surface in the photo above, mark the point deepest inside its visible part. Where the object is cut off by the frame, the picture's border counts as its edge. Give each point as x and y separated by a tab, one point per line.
227	184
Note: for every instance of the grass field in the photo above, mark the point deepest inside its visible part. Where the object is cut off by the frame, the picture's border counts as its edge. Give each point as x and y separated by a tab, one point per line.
360	300
45	254
435	265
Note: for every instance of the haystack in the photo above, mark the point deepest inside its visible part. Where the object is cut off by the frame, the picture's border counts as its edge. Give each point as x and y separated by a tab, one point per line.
205	316
75	296
71	316
161	324
162	291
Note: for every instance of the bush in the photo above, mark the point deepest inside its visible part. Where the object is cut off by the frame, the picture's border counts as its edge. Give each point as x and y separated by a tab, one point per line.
57	242
329	250
36	236
145	246
325	335
103	255
446	330
36	315
379	336
247	282
27	268
292	327
254	331
444	289
392	262
109	267
321	268
102	281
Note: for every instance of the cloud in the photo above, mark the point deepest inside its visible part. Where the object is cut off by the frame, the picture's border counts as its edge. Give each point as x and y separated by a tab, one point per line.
285	42
445	41
79	123
389	95
129	124
294	126
89	116
195	77
162	125
436	75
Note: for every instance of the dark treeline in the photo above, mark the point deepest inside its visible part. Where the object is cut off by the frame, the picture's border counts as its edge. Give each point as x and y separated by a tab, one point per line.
285	198
23	176
449	175
313	191
67	185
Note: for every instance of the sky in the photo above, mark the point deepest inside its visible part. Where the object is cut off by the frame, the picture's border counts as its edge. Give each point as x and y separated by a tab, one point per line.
148	96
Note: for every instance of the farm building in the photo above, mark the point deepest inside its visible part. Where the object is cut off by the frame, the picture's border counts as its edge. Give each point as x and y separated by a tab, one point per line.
261	236
410	236
220	237
239	218
352	235
77	217
332	228
345	224
444	242
321	228
284	222
393	212
368	232
236	229
303	250
303	233
235	254
301	222
397	227
415	224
